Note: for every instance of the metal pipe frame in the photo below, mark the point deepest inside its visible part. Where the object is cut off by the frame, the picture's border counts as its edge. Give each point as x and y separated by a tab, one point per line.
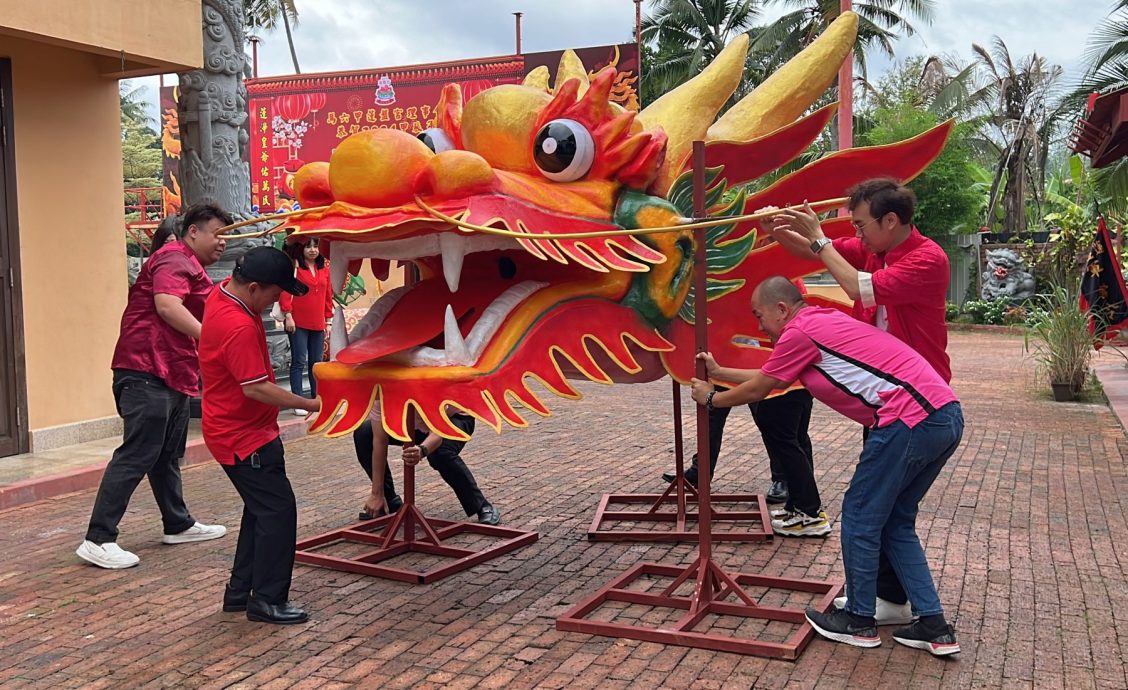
713	588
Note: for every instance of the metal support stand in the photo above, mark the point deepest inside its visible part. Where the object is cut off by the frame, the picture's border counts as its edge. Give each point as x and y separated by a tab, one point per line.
714	590
384	533
676	496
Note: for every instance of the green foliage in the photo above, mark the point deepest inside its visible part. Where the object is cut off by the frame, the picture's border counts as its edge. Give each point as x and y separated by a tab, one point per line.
951	311
991	313
1060	340
947	202
140	157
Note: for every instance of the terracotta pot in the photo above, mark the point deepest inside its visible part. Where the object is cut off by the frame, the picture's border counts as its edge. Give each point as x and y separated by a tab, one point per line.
1063	392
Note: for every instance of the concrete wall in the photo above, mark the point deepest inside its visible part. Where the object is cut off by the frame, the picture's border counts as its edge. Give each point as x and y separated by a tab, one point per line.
71	220
148	35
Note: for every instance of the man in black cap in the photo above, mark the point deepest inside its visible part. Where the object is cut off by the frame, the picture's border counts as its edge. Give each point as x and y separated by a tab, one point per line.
240	427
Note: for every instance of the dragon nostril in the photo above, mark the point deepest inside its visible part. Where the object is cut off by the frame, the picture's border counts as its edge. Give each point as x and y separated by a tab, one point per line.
506	267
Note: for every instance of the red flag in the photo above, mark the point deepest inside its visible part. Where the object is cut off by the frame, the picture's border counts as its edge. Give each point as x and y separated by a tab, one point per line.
1102	288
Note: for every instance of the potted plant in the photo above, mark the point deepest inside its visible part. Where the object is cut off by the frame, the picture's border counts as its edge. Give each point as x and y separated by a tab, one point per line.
1059	339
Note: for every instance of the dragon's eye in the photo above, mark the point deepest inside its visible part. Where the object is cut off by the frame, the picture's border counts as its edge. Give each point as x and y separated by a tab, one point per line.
564	150
436	139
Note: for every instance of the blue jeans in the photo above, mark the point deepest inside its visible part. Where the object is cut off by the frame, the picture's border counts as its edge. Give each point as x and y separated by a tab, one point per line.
305	351
894	472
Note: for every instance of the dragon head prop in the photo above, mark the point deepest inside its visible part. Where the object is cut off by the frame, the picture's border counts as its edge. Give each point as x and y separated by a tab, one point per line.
529	216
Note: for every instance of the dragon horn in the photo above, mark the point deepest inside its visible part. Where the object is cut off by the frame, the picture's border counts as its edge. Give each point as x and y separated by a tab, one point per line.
571	68
788	93
685	112
538	78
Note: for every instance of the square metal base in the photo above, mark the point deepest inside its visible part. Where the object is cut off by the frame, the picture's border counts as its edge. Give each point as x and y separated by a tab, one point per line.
682	632
664	509
384	534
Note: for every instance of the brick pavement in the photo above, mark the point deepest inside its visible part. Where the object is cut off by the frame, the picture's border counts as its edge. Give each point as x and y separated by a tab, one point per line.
1020	529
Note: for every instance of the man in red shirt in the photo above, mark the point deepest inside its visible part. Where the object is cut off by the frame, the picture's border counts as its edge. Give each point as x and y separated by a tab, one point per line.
240	425
898	279
155	374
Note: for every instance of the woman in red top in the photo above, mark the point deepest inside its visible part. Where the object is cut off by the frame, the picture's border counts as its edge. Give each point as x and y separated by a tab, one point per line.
306	316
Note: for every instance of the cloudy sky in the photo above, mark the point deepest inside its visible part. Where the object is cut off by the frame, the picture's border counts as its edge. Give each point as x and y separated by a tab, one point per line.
358	34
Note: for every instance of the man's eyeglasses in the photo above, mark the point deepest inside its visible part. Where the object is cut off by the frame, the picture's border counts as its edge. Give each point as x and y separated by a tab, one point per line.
858	227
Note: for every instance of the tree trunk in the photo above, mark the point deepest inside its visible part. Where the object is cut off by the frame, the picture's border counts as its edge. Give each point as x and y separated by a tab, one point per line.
289	37
1014	194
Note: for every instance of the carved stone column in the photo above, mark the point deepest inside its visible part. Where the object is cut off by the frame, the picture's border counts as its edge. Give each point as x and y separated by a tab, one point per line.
213	125
214	138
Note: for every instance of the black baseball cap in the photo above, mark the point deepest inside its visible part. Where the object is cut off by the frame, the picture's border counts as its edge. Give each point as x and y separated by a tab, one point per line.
269	266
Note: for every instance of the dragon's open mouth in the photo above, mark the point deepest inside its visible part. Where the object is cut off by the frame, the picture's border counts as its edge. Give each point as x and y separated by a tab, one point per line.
470	287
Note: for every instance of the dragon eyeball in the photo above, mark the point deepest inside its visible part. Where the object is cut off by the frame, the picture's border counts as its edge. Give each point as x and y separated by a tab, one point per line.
436	139
564	150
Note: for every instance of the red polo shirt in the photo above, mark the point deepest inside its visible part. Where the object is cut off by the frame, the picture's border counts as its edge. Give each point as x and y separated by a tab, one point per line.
233	353
911	282
146	342
313	308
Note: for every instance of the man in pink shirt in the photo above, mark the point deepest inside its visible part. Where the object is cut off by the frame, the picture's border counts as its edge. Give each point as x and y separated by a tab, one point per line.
155	374
898	279
915	425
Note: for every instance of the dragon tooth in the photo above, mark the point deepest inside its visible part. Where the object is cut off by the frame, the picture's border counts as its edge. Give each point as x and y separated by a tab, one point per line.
456	350
338	335
339	267
453	248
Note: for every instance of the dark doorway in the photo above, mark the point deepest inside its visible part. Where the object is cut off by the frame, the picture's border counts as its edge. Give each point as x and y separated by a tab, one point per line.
13	397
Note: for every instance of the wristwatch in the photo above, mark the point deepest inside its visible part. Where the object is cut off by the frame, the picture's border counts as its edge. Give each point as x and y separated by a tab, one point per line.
818	245
423	452
709	400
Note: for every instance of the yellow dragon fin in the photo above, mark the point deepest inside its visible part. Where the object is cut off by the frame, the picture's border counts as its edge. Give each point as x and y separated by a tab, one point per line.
792	89
685	113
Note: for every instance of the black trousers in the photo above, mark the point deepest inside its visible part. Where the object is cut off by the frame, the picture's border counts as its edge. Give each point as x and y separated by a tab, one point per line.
446	460
888	586
268	533
783	422
156	430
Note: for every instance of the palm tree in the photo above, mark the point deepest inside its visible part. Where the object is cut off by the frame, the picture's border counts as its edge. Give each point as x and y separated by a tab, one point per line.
688	34
133	106
880	23
264	15
1023	119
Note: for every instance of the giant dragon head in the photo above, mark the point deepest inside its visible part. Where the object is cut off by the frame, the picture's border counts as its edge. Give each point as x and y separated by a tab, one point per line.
525	211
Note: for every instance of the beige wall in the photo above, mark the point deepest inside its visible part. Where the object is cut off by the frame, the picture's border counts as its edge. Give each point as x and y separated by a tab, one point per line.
145	33
69	199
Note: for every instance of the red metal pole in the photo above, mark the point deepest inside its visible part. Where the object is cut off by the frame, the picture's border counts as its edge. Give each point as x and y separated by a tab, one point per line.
517	16
846	94
254	56
701	336
638	25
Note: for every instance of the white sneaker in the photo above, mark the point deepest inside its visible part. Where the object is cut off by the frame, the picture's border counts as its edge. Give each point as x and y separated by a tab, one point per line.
887	613
779	513
197	532
300	413
108	555
798	524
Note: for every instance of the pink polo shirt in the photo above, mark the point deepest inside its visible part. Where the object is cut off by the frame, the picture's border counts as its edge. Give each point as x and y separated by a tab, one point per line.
856	369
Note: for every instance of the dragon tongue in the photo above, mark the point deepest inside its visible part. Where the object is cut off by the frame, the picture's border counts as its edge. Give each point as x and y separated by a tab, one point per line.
419	317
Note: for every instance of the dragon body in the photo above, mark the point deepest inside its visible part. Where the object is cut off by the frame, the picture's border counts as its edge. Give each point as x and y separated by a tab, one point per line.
574	288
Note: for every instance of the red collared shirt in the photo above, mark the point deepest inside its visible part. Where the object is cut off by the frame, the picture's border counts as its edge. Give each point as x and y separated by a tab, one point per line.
311	309
233	354
146	342
910	282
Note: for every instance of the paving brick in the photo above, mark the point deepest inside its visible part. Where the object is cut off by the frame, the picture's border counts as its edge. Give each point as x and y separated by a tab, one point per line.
1021	530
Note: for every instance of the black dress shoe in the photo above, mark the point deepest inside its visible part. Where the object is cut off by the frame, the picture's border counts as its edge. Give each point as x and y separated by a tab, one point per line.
690	476
778	493
234	600
488	515
282	614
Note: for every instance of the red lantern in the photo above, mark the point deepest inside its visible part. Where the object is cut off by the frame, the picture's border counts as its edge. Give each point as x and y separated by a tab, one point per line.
316	101
292	107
